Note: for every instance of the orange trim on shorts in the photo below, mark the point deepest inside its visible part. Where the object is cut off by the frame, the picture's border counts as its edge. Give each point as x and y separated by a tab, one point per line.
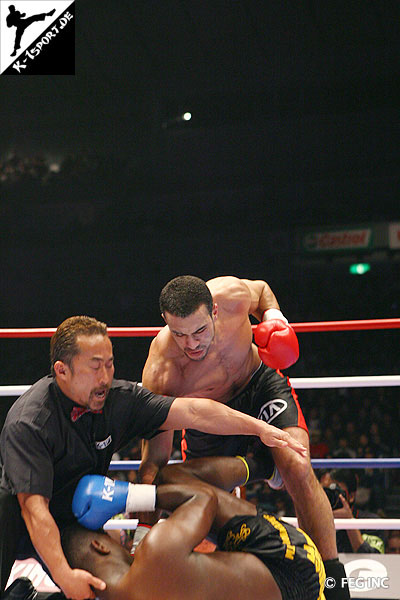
183	445
301	422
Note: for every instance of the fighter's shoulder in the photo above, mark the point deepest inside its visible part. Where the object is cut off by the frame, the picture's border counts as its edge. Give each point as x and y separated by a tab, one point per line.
154	553
140	581
225	284
230	293
163	346
161	369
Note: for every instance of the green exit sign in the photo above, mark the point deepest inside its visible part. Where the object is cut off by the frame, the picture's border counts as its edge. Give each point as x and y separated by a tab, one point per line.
359	268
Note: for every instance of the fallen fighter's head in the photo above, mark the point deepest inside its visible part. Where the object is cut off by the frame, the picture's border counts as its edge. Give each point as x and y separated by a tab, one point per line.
100	554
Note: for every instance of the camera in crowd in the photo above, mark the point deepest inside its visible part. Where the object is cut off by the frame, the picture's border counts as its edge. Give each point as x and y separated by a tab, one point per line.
333	491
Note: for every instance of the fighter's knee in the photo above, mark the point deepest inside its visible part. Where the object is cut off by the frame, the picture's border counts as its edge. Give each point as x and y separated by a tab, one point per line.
296	467
298	476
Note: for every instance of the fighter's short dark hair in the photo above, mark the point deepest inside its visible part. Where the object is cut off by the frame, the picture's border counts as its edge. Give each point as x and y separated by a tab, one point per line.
183	295
73	541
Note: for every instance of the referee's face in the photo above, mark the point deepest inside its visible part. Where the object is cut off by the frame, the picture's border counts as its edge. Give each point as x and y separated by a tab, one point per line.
88	381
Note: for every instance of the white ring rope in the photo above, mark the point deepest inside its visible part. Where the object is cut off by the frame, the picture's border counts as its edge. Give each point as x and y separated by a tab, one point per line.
366	524
297	382
345	382
13	390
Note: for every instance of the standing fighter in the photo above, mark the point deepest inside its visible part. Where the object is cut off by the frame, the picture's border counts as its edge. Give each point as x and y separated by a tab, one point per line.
206	349
69	424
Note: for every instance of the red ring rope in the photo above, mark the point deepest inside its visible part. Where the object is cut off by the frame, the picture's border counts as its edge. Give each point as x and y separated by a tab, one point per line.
39	332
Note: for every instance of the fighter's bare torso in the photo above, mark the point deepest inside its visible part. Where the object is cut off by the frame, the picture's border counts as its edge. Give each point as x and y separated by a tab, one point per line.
231	359
225	370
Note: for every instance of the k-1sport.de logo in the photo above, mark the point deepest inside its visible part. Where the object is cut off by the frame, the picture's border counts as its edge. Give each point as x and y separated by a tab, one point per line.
37	37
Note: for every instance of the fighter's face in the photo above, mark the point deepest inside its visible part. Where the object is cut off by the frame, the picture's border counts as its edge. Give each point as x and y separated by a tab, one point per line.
195	333
89	378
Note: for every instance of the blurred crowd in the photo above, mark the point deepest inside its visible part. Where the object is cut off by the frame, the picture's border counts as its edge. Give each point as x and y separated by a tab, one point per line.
357	423
16	169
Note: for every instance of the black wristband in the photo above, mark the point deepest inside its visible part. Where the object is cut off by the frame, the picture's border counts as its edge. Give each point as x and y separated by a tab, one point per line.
336	586
260	462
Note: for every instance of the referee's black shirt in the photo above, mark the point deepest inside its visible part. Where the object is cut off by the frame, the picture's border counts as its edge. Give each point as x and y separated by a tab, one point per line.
44	452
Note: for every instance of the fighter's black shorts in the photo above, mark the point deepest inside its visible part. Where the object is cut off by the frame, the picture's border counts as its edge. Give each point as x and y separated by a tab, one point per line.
288	552
268	396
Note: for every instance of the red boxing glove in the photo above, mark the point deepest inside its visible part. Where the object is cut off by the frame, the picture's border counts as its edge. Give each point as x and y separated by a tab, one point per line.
277	343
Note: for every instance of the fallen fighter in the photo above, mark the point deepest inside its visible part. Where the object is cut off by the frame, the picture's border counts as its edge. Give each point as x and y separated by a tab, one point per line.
259	557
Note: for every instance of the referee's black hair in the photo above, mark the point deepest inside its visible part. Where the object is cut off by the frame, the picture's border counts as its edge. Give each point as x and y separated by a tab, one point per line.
63	343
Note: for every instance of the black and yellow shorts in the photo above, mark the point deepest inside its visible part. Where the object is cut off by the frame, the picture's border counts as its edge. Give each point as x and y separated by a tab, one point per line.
288	552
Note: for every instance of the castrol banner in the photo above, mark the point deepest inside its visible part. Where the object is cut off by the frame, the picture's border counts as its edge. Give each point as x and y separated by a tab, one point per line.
345	239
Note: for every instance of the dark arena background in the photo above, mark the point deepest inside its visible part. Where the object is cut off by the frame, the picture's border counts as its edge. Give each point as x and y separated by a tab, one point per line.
287	169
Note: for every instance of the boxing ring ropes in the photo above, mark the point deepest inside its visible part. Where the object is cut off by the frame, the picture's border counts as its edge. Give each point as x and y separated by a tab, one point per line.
298	383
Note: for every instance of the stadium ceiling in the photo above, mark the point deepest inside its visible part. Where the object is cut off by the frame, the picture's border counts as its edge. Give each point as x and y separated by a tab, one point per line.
235	60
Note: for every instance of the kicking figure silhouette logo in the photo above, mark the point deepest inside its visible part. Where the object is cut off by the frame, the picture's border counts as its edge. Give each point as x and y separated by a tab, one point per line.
18	20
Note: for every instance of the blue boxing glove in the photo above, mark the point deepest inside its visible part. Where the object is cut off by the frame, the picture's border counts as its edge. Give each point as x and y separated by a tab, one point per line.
98	498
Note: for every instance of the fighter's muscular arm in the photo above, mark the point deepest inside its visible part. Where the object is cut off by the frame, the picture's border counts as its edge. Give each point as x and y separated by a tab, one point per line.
159	373
45	536
168	548
221	472
224	472
197	505
242	296
276	340
262	297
